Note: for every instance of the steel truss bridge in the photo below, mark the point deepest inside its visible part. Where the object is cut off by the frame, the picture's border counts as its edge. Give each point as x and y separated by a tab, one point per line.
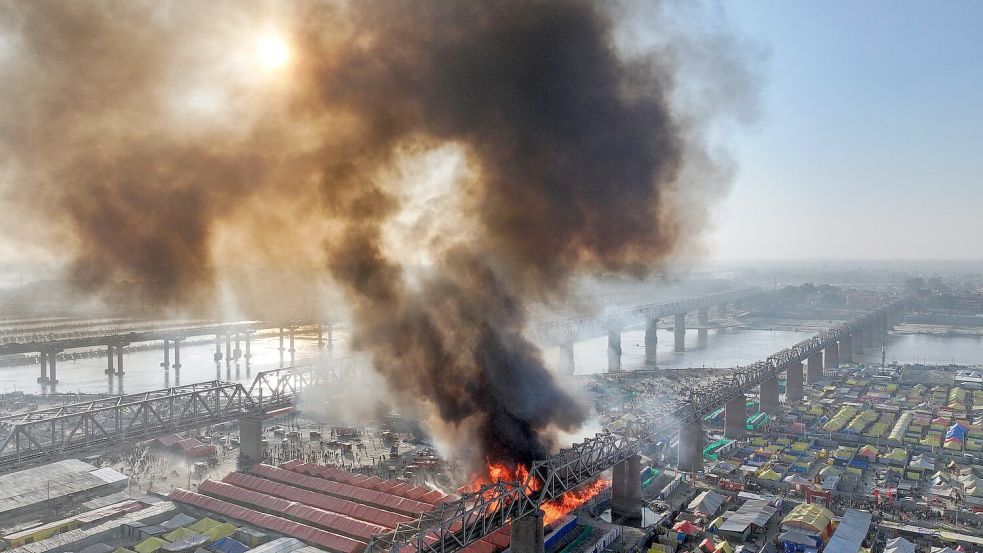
45	435
457	524
571	329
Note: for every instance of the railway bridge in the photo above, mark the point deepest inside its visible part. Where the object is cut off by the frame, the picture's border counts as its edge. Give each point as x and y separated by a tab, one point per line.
457	524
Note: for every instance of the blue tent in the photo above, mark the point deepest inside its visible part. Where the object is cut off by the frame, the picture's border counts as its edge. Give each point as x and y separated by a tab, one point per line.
227	545
956	431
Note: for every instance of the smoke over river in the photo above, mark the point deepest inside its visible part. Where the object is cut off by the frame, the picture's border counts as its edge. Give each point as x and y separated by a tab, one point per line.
447	164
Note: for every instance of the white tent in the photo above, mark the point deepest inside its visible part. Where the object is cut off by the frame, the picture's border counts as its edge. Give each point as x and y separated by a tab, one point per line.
899	545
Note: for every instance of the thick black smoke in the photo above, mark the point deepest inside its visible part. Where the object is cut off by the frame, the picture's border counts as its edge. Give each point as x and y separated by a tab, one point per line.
578	162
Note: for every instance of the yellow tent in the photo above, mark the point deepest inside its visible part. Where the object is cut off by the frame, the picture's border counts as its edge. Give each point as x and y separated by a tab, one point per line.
179	533
220	531
809	517
204	524
724	547
149	545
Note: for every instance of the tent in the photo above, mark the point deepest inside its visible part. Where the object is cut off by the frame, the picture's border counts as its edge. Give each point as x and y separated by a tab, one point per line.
811	518
687	527
707	503
899	545
220	531
188	543
943	550
707	545
724	547
179	533
149	545
177	521
228	545
797	537
851	531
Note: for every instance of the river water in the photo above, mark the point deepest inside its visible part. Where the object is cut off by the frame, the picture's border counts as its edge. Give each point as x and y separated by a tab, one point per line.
715	349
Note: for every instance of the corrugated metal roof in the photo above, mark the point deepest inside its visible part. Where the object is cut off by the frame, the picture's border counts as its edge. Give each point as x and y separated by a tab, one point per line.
850	533
319	518
331	542
346	491
25	488
279	545
753	511
109	475
393	487
345	507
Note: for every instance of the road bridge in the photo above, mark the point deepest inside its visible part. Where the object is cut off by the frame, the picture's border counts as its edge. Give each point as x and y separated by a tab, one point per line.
46	435
50	339
457	524
564	333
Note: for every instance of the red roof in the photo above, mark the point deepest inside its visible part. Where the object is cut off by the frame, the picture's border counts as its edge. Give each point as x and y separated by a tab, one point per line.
169	440
392	487
374	498
354	510
319	518
307	534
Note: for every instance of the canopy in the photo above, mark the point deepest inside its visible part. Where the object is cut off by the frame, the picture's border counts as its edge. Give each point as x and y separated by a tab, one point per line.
228	545
149	545
798	537
687	528
707	545
899	545
809	517
851	531
724	547
707	503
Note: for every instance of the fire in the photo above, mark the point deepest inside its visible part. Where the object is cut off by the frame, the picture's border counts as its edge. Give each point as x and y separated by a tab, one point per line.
552	510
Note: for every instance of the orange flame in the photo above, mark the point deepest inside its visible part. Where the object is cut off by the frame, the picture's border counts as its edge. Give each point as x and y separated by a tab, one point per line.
552	510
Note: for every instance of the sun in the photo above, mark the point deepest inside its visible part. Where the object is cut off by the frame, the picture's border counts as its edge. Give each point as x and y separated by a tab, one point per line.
272	51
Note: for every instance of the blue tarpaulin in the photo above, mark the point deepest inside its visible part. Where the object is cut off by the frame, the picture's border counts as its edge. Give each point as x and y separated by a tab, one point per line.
228	545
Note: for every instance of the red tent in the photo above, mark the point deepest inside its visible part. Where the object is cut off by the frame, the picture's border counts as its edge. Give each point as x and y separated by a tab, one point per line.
687	528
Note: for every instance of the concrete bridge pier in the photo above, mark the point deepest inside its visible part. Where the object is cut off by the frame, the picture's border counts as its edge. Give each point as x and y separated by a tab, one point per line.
249	337
43	361
567	365
768	396
722	311
679	332
119	360
527	534
626	489
218	349
110	369
793	383
251	439
228	349
815	367
651	341
867	331
53	367
703	317
735	418
237	352
614	350
292	349
845	349
857	342
167	356
177	355
692	440
281	341
832	356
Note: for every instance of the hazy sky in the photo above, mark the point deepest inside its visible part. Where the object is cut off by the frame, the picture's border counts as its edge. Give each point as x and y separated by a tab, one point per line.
871	144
